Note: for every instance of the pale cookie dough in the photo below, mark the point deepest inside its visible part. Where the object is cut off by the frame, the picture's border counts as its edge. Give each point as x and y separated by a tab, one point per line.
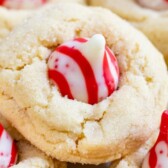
10	129
11	18
70	130
135	159
31	157
152	22
28	155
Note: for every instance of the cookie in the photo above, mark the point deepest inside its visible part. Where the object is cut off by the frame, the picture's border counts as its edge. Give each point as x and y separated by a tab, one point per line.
69	129
153	153
28	155
31	157
10	129
9	18
135	160
148	16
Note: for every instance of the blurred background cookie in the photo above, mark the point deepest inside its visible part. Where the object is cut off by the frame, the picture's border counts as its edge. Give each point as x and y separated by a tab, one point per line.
12	12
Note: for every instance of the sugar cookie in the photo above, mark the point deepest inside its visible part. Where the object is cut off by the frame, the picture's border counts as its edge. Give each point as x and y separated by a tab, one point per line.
70	129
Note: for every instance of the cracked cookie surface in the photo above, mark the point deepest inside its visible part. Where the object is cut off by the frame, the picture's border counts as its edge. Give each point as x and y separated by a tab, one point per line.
152	23
70	130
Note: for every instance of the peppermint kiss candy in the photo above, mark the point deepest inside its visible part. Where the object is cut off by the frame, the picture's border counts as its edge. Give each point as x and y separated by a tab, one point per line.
8	152
154	4
158	155
84	69
22	4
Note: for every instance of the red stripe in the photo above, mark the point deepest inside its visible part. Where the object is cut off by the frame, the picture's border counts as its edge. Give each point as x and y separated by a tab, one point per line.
13	155
113	59
91	84
44	1
163	136
82	40
108	76
62	83
152	157
2	2
1	130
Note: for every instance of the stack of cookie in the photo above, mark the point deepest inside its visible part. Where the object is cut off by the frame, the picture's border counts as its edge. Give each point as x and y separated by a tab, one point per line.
78	84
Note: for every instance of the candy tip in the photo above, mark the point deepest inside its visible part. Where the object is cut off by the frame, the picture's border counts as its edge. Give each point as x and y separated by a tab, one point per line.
94	47
98	39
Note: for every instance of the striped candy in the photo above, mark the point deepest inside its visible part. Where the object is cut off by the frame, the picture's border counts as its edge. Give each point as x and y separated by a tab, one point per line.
154	4
22	4
8	152
84	69
158	155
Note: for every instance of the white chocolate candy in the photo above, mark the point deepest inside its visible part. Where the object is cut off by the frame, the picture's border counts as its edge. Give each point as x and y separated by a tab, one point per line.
154	4
158	155
161	150
8	153
84	69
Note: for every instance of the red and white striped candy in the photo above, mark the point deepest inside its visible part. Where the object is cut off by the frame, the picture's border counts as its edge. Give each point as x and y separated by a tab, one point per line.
84	69
8	152
154	4
22	4
158	155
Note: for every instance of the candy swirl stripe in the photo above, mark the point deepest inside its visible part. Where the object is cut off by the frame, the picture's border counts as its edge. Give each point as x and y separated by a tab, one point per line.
71	72
13	155
1	130
112	72
114	61
152	157
107	75
81	40
82	62
61	82
1	2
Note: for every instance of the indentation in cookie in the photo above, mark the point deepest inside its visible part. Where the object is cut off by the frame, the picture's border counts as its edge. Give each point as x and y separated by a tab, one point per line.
84	69
8	152
154	4
22	4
